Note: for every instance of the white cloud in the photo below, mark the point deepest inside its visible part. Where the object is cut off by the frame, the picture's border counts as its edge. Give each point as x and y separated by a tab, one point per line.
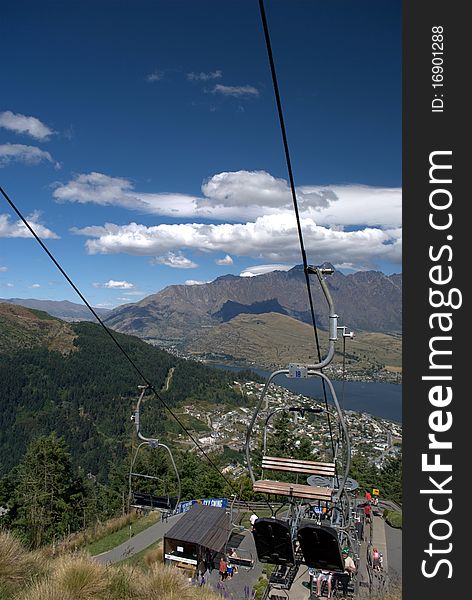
36	285
175	260
227	260
30	155
237	91
272	237
346	224
115	285
3	269
104	190
262	269
26	125
194	282
204	76
17	229
246	188
155	76
227	195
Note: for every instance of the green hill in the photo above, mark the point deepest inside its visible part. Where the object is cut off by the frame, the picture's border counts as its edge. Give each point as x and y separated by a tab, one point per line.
71	379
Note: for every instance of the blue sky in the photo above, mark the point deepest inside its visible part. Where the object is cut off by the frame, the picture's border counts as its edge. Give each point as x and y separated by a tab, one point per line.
142	141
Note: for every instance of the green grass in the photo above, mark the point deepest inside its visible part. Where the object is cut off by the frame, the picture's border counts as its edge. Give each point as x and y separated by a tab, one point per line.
260	514
122	535
393	518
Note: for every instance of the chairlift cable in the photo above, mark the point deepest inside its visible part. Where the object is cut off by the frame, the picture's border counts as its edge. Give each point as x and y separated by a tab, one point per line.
115	341
294	197
344	371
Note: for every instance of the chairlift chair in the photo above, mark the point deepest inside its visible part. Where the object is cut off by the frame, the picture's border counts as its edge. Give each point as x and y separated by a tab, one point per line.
273	543
145	500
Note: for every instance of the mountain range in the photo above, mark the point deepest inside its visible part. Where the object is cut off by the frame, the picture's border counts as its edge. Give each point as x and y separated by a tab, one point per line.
365	300
68	311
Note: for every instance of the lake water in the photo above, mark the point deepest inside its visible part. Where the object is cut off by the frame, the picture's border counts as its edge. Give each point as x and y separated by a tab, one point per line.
379	399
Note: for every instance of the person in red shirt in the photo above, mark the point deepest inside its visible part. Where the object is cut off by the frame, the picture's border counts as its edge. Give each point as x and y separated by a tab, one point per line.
223	568
368	512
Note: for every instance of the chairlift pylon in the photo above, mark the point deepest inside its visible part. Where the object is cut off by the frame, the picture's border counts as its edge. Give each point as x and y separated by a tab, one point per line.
277	541
145	500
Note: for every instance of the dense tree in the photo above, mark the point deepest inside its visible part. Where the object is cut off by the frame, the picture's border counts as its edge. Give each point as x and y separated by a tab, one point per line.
391	479
49	501
87	396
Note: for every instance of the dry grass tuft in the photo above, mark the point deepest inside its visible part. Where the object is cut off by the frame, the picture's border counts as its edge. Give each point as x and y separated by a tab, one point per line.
17	566
80	577
166	583
156	555
44	590
31	576
123	583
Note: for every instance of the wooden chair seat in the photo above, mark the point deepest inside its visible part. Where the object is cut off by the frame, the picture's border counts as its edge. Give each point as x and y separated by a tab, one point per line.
293	465
295	490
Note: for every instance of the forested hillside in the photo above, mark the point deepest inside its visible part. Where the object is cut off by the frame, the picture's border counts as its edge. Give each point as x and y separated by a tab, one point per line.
86	394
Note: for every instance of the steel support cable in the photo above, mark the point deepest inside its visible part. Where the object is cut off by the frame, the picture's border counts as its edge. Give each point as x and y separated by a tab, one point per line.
114	339
294	198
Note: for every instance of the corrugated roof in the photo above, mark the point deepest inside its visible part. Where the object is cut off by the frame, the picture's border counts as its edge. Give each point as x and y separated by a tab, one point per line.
207	526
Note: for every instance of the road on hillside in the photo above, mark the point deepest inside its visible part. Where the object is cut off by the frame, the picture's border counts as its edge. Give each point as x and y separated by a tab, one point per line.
138	542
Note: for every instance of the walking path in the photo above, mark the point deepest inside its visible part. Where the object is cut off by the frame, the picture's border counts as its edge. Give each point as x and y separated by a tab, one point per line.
379	540
138	542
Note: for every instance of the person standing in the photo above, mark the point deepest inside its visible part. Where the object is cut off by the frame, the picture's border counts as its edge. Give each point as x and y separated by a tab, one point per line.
349	569
376	560
252	519
223	568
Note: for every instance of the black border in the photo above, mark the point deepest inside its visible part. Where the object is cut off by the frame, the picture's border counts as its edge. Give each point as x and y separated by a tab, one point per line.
423	133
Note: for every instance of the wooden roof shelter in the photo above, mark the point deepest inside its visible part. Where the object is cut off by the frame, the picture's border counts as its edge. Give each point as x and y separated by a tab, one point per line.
205	526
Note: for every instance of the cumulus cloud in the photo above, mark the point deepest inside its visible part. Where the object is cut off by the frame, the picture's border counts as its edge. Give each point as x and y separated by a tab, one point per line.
16	229
262	269
236	91
271	237
30	155
194	282
174	260
25	125
115	285
205	76
227	260
36	285
351	224
104	190
227	195
3	269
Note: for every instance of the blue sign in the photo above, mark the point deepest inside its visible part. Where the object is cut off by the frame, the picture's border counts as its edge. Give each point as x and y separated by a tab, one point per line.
185	506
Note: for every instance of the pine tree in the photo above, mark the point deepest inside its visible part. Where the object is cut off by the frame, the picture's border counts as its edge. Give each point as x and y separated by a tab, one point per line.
47	498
